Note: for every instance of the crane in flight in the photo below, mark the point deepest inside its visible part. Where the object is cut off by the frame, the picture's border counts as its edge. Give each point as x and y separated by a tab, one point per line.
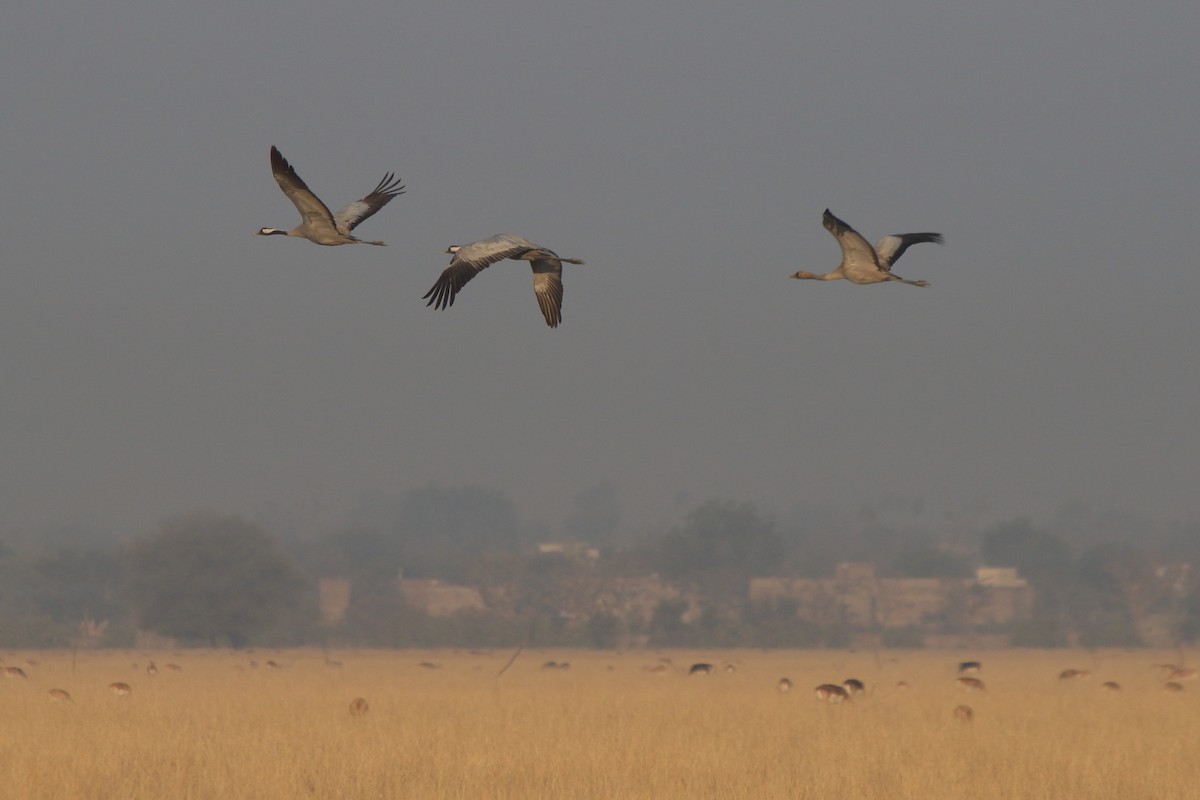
863	264
317	223
471	259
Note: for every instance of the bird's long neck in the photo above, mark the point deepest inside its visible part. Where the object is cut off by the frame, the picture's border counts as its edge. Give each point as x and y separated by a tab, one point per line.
811	276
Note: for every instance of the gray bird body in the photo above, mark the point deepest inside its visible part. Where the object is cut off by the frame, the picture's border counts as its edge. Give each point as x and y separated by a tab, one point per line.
471	259
317	223
863	264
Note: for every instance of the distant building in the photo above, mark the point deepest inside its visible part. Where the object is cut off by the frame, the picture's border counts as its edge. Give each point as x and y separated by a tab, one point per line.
1004	577
1175	577
578	551
333	597
856	596
438	599
635	599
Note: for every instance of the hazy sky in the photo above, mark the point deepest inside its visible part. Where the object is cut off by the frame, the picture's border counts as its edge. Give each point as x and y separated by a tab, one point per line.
158	358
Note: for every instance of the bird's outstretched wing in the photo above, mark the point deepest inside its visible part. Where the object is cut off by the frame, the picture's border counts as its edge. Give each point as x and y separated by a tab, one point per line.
469	261
547	285
315	213
890	248
350	216
858	257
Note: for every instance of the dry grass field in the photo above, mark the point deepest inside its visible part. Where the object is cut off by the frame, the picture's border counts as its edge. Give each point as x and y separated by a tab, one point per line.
607	727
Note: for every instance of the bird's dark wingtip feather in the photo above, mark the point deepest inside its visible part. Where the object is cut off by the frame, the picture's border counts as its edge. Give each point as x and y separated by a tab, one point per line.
280	166
832	223
440	296
390	185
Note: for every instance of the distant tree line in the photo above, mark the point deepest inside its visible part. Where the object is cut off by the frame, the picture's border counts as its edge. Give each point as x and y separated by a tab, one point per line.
210	579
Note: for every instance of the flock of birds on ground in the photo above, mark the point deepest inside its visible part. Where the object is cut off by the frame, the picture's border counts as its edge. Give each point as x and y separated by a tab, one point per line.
830	693
861	263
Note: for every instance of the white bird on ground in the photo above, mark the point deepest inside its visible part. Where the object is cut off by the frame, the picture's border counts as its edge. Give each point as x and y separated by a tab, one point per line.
317	223
864	264
471	259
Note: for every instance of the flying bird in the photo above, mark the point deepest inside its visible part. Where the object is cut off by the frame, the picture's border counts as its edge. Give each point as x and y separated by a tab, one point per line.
864	264
471	259
317	223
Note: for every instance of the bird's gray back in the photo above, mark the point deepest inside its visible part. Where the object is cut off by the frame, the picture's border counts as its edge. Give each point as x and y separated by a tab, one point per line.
493	249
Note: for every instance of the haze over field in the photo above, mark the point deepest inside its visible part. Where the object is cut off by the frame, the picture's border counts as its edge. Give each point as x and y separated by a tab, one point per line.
159	358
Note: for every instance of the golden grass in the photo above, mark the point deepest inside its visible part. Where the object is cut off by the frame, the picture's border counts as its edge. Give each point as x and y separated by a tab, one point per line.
606	728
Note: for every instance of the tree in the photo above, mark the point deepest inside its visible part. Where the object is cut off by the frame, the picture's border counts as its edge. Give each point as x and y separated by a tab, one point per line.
720	546
438	530
603	630
1038	632
368	557
1042	558
78	585
549	584
595	514
667	627
1120	587
208	578
1033	552
1187	628
923	560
